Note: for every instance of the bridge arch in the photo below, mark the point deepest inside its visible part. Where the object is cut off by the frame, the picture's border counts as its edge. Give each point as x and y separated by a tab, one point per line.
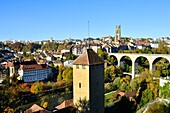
113	60
126	63
163	63
144	63
152	58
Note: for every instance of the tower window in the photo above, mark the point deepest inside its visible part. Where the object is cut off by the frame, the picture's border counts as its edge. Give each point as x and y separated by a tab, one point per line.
77	66
83	67
79	85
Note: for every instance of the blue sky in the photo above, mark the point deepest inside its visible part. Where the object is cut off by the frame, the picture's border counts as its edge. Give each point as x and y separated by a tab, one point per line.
41	19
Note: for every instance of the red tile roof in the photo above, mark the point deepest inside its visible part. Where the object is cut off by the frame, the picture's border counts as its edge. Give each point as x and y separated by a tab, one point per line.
33	67
36	108
89	57
65	104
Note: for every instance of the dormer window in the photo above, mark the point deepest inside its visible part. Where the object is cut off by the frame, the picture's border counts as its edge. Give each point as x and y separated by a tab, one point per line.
77	66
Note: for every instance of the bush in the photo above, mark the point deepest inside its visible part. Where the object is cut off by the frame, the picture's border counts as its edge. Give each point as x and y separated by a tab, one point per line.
133	84
158	107
123	86
110	87
58	84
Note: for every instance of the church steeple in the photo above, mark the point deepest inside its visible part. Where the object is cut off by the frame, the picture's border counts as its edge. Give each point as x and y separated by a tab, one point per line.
118	33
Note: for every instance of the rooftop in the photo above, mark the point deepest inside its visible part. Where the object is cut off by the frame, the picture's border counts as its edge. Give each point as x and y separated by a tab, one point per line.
89	57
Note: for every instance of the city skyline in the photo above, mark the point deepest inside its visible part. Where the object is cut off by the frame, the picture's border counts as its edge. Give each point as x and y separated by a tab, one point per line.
40	20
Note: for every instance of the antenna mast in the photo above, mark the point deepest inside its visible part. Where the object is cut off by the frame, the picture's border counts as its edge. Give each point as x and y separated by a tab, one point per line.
88	36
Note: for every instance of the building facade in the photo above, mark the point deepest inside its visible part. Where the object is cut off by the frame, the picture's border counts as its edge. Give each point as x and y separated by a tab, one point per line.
88	80
34	72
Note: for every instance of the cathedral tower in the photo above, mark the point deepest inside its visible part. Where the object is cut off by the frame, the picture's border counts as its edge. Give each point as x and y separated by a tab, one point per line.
88	80
118	34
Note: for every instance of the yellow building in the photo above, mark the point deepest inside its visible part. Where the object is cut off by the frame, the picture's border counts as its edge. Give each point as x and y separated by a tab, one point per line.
88	80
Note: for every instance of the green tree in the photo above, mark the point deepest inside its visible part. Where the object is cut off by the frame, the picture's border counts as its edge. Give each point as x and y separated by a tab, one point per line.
133	84
117	82
71	57
118	72
111	60
102	54
68	74
123	86
162	48
165	90
147	96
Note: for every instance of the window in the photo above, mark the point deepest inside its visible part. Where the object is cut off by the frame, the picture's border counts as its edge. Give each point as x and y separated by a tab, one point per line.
77	66
83	67
79	85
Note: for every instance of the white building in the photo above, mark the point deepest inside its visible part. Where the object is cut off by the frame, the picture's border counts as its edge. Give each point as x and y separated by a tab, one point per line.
33	72
68	63
65	51
50	57
154	45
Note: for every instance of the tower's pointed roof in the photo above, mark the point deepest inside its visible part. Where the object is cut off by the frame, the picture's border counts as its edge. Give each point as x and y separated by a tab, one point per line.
89	57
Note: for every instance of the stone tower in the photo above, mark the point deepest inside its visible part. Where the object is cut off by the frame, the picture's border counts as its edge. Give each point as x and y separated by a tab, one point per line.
88	80
118	33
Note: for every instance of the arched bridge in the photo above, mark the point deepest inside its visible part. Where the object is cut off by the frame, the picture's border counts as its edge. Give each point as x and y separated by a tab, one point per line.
152	58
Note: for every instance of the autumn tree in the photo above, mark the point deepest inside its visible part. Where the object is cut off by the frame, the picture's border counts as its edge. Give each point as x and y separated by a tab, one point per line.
49	46
31	47
109	74
158	107
149	88
36	88
45	104
17	46
61	47
61	69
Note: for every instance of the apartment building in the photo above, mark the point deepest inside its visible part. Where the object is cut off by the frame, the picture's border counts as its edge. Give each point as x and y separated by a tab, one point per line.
34	72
